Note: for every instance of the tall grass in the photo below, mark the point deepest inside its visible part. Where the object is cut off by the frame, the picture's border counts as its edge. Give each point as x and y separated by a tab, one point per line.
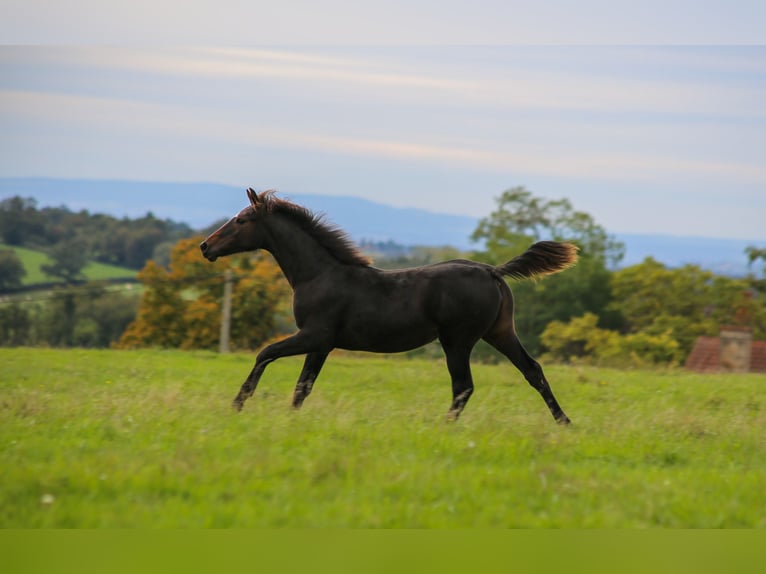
118	439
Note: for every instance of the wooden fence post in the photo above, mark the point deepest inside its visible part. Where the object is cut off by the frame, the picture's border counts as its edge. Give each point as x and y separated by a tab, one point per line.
228	280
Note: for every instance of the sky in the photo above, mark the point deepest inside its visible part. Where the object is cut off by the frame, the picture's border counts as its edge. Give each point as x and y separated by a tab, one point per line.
646	137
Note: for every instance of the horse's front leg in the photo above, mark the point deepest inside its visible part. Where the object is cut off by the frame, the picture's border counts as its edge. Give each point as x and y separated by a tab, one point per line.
301	343
309	374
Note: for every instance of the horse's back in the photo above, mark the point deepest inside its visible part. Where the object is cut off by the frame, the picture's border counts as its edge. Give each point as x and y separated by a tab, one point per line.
403	309
448	293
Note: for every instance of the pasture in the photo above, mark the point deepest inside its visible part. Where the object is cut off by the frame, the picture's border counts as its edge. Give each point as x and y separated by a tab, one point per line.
33	260
128	439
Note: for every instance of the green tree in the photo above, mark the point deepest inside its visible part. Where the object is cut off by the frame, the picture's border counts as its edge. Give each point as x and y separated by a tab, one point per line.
58	319
582	340
102	315
755	253
124	242
12	270
15	325
686	302
521	219
89	315
68	259
19	221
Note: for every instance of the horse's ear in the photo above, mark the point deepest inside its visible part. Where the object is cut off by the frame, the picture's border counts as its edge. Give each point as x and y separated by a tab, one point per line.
253	197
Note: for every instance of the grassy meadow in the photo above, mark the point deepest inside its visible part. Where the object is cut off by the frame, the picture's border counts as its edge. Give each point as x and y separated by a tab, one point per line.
33	261
126	439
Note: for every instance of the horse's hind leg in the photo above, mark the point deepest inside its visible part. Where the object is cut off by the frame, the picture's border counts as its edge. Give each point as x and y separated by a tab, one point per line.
458	364
248	387
311	367
509	345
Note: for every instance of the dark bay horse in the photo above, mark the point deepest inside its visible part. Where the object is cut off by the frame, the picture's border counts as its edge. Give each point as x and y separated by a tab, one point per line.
341	301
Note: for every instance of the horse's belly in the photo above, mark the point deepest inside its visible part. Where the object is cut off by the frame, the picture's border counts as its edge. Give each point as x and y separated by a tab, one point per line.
384	337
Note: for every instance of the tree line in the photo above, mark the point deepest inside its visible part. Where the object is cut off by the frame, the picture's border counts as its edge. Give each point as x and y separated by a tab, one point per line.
600	313
83	315
596	312
92	315
72	238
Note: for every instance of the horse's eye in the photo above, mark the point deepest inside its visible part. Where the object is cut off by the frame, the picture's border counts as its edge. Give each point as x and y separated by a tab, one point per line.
239	221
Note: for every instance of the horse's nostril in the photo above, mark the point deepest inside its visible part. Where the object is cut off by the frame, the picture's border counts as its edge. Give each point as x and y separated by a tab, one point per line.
203	246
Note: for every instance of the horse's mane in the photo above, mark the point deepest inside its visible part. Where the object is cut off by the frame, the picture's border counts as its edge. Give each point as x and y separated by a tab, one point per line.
329	236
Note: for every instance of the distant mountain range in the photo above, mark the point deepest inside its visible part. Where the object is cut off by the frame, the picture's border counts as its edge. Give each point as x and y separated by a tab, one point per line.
200	204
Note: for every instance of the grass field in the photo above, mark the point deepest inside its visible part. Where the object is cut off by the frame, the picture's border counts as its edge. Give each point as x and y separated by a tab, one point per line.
33	261
124	439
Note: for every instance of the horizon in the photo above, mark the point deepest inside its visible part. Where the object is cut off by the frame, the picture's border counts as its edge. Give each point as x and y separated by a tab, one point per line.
197	223
363	219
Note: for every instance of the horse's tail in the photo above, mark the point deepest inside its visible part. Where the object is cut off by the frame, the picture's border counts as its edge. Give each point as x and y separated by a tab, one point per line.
542	258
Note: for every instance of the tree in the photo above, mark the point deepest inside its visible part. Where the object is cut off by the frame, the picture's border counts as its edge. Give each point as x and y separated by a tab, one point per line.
521	219
159	320
90	315
686	302
60	317
12	270
69	258
102	315
581	339
19	220
181	304
754	253
124	242
15	325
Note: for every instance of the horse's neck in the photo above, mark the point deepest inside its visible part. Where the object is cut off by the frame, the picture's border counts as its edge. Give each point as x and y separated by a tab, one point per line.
298	254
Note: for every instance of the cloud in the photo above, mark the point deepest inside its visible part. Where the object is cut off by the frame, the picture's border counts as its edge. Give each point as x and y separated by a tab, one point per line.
637	123
396	22
504	85
597	80
245	63
113	118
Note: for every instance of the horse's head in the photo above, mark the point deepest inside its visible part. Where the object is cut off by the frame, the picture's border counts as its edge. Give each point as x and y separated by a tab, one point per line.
240	233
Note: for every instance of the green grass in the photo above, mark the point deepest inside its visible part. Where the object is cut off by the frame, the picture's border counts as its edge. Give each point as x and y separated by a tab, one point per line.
33	260
124	439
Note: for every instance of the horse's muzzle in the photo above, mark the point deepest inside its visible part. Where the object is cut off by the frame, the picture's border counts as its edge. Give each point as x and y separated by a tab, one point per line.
204	248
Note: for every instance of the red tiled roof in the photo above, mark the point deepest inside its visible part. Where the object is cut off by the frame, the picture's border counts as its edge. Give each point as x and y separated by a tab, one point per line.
758	357
705	356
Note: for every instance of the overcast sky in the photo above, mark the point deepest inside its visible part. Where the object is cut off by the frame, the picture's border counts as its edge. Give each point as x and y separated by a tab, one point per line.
646	139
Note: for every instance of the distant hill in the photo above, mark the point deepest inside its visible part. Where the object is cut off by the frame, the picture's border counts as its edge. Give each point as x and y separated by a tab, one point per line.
200	204
724	256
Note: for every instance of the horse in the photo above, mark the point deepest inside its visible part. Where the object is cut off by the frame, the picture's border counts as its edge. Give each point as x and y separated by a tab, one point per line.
341	301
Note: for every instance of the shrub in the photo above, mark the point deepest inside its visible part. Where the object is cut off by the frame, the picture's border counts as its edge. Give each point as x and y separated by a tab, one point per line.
581	340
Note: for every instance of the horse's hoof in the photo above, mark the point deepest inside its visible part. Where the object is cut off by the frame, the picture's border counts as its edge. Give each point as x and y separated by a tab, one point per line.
563	420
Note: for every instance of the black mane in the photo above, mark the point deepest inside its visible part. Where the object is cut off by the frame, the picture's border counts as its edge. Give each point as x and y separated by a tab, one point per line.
329	236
